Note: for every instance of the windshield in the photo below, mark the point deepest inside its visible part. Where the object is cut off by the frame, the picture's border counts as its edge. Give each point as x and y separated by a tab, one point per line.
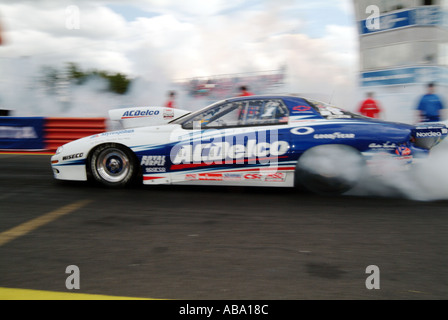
193	115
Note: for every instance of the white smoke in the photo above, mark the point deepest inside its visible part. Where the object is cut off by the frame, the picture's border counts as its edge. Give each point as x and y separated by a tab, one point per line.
427	180
25	94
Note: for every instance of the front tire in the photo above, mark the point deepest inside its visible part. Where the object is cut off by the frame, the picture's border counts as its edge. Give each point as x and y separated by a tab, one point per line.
113	165
330	169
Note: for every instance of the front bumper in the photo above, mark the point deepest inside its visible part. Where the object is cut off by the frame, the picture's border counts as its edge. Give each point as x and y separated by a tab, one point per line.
66	170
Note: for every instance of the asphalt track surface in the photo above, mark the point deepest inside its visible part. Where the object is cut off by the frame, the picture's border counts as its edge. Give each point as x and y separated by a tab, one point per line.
206	243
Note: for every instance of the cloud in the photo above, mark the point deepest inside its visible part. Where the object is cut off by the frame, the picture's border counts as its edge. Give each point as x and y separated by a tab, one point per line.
183	39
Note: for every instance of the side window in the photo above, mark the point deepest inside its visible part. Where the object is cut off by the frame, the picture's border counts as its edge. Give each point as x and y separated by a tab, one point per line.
224	115
229	116
240	114
264	112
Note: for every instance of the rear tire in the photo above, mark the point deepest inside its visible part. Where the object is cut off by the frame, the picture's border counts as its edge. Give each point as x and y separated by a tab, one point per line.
113	165
329	169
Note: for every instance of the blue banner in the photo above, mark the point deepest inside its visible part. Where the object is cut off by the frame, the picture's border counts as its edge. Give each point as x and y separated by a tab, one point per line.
422	16
22	133
403	76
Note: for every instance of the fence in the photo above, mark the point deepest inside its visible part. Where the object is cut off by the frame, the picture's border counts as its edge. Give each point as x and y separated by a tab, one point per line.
58	131
45	134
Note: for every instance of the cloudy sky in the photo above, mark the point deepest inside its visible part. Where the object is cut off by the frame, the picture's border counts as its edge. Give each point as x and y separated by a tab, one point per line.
164	40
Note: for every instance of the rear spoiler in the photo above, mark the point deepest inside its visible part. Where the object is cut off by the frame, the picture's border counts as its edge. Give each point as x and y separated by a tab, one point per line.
145	116
428	135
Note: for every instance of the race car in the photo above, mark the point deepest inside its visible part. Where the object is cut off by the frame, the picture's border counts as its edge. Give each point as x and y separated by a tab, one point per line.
273	141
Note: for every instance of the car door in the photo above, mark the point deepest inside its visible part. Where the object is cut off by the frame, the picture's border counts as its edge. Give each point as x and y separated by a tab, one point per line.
239	142
266	136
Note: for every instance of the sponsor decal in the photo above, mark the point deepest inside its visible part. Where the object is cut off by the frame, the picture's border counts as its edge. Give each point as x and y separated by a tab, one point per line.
301	109
210	176
275	177
253	176
217	152
155	169
113	133
272	177
231	176
191	176
403	151
302	131
152	178
153	161
139	113
168	114
73	156
429	134
335	135
386	145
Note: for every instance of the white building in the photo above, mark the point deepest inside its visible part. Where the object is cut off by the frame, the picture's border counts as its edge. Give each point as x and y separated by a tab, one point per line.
403	46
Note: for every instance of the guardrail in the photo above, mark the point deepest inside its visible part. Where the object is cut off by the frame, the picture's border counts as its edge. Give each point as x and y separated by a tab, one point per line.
21	134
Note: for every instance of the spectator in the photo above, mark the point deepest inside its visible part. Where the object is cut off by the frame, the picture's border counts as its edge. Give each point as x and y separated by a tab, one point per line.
1	35
430	105
171	100
244	92
369	107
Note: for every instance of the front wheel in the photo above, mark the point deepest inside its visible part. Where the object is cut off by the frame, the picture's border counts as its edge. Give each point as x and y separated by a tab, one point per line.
113	165
330	169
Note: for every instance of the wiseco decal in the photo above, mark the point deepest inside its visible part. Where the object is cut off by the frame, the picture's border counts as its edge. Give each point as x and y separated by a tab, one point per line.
73	156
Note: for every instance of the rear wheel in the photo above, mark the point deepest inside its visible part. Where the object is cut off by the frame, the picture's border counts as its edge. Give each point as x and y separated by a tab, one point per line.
330	169
113	165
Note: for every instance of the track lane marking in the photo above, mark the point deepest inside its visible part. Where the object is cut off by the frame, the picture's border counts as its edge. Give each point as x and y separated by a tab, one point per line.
28	294
33	224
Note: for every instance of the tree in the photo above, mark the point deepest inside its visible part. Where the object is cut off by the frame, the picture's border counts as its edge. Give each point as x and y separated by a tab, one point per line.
74	73
117	82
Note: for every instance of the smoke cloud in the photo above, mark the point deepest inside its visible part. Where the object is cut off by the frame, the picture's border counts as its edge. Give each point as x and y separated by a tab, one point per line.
427	180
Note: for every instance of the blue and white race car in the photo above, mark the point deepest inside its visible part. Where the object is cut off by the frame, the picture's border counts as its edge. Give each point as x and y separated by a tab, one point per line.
280	141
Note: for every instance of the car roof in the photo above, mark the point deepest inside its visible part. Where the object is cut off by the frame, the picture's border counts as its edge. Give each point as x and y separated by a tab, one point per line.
265	96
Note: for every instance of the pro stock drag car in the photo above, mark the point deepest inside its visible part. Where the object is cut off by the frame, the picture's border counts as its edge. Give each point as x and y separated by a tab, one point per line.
279	141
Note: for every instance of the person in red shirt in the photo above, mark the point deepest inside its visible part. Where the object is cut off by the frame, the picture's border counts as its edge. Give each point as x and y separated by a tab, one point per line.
370	108
171	100
1	35
244	92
